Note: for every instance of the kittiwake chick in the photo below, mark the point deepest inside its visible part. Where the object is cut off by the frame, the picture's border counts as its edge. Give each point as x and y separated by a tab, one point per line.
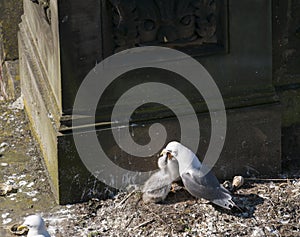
201	186
36	226
159	184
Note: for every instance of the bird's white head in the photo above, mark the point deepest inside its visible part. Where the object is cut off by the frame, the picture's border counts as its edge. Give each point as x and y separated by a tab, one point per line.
172	149
162	161
34	223
185	157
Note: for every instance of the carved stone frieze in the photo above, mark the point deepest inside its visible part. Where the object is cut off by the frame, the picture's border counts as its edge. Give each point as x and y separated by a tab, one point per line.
45	5
172	23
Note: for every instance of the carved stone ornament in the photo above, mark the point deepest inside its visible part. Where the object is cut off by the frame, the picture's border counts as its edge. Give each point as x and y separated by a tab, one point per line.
173	23
45	5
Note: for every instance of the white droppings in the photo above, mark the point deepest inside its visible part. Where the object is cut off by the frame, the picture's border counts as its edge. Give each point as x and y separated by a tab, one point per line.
22	183
3	144
50	116
257	232
9	182
6	221
30	185
18	104
22	176
5	215
32	193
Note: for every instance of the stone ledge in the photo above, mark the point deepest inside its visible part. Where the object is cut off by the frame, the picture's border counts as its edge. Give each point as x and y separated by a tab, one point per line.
252	148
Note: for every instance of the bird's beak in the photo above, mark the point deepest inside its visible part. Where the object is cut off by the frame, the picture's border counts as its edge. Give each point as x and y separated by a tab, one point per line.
22	227
166	152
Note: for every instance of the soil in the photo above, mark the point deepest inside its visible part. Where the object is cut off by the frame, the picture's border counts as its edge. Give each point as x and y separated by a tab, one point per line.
267	207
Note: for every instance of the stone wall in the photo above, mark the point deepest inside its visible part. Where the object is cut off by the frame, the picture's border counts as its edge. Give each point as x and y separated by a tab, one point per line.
286	75
10	17
57	52
256	69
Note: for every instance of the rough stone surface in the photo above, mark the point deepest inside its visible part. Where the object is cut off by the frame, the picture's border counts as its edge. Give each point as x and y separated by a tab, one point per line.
12	78
252	147
286	74
10	17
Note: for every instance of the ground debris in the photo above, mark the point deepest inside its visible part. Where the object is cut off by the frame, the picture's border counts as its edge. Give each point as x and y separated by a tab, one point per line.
269	207
7	189
266	212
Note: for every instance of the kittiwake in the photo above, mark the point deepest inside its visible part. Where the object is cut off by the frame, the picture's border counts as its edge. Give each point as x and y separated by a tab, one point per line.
191	172
159	184
36	226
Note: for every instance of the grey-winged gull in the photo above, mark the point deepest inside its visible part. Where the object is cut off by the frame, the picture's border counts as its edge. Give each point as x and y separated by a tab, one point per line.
36	226
207	186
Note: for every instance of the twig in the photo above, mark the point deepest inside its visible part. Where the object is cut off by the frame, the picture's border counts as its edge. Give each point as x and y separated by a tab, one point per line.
125	199
135	207
241	224
270	180
161	219
137	202
296	195
144	224
129	222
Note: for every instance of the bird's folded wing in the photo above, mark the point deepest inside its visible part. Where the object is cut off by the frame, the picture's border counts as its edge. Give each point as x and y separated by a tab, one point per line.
157	181
203	187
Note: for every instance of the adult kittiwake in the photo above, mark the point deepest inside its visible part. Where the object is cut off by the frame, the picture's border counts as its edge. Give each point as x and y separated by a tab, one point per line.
191	172
36	226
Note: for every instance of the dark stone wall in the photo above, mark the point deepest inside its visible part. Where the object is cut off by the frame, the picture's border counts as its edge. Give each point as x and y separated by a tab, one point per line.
10	17
286	75
244	73
80	30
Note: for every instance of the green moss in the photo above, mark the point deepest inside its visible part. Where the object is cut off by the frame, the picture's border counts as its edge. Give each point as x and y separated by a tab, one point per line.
94	234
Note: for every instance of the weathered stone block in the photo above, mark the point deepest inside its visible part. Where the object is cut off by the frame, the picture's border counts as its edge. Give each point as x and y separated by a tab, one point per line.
61	41
286	75
252	148
10	17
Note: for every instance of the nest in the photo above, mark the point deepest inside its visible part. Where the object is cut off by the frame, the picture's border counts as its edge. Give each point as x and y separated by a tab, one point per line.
14	230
